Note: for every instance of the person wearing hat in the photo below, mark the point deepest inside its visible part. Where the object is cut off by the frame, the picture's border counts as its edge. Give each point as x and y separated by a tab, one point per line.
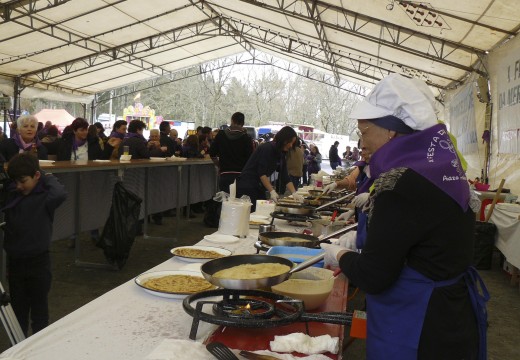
422	296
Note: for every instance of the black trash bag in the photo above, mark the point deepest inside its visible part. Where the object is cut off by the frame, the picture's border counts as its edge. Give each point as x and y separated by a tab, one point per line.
212	214
484	244
121	226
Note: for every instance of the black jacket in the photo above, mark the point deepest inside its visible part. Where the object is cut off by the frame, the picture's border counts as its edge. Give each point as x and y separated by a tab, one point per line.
29	218
333	154
167	141
94	149
8	149
233	147
138	147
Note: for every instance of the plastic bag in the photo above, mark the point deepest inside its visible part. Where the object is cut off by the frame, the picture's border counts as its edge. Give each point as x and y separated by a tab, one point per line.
121	226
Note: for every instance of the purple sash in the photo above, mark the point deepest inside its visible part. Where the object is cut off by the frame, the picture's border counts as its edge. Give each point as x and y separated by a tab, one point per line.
431	154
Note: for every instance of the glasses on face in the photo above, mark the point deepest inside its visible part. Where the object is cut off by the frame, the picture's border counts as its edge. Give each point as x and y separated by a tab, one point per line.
361	132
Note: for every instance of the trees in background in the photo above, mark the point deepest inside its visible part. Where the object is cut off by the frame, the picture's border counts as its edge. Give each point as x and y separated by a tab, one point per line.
209	95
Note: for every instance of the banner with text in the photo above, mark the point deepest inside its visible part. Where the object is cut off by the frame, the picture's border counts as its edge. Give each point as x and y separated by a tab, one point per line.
462	120
507	73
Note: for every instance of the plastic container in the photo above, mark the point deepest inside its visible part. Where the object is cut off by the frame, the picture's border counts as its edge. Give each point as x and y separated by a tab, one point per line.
312	285
296	254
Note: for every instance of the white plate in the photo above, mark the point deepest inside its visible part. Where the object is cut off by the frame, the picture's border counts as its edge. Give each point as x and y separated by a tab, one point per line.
141	279
221	238
157	159
46	161
221	251
175	158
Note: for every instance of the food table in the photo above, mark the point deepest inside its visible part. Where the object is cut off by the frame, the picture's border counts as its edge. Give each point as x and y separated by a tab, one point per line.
506	217
129	323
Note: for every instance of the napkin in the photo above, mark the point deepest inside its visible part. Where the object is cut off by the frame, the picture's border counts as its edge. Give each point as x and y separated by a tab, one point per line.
233	190
305	344
291	357
175	349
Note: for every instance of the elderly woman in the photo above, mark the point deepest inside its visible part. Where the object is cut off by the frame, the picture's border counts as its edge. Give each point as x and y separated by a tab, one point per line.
25	139
77	144
422	298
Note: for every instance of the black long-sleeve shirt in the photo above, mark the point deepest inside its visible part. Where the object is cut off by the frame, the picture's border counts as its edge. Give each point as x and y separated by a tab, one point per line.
415	223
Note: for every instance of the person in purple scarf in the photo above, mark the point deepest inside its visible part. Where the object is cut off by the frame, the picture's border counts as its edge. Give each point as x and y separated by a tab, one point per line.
77	145
24	140
135	140
422	297
118	132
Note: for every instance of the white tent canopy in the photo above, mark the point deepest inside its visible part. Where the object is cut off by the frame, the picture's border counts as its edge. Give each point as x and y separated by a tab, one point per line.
84	47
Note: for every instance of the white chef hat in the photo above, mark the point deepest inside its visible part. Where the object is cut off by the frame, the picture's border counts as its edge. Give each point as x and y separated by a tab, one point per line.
410	100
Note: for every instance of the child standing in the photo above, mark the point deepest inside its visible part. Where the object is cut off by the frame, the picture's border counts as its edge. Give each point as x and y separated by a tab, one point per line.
29	213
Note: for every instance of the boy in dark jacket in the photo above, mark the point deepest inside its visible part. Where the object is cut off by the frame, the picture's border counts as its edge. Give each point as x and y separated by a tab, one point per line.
29	213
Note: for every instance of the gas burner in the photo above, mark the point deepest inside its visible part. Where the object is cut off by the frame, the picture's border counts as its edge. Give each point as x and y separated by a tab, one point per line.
230	308
293	217
244	308
266	309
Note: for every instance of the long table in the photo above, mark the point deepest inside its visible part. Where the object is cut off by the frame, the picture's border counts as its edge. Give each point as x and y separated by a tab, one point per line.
162	185
126	322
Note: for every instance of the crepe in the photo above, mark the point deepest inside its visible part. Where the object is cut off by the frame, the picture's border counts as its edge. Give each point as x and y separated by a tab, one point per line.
179	284
291	239
252	271
197	253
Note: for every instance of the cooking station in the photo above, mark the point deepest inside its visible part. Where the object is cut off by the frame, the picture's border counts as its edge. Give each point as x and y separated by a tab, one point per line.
129	323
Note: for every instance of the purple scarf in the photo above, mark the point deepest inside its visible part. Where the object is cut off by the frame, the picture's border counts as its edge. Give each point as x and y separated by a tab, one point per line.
431	154
77	143
22	145
117	135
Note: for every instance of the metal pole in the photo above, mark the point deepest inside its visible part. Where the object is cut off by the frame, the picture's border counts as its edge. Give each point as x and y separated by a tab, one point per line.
16	97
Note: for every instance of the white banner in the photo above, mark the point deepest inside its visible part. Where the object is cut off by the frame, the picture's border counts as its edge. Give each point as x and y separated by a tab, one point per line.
462	120
508	103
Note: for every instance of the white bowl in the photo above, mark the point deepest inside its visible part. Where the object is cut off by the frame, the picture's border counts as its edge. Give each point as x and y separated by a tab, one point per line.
312	285
125	157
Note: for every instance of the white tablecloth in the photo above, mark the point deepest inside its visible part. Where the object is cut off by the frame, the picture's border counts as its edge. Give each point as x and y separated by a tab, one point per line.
125	323
506	218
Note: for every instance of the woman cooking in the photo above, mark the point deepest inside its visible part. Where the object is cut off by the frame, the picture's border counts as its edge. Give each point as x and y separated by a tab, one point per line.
422	298
254	180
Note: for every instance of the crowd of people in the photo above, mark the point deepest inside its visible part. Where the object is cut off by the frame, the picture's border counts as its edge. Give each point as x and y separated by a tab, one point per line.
82	141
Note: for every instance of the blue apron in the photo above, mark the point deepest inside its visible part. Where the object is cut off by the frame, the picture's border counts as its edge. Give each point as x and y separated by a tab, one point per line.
395	317
361	234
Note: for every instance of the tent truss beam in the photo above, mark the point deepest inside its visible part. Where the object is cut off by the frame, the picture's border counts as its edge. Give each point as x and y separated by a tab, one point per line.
353	23
25	7
322	36
242	59
252	35
127	53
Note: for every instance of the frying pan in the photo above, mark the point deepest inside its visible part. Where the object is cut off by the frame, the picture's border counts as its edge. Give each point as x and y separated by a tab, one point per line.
298	209
273	238
212	266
